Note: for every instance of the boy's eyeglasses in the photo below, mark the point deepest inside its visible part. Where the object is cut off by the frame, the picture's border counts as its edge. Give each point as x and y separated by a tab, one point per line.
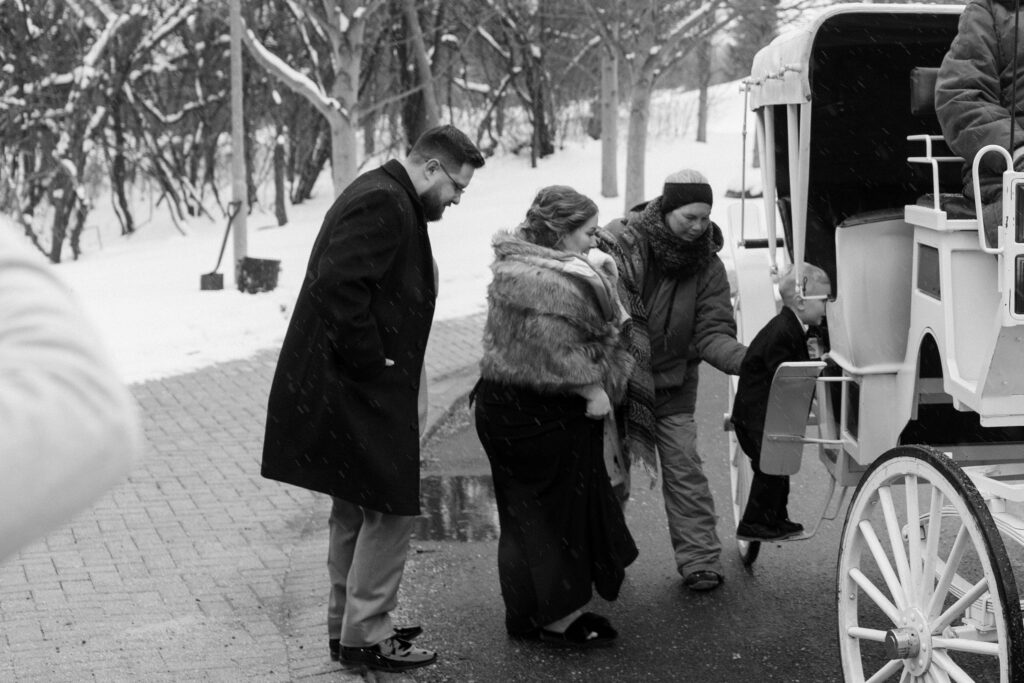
813	297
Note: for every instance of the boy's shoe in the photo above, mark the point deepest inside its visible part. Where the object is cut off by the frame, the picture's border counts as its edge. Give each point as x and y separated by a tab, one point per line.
758	531
790	527
402	632
391	654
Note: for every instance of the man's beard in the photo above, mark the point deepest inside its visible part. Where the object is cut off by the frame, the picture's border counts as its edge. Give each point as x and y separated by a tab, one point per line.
433	207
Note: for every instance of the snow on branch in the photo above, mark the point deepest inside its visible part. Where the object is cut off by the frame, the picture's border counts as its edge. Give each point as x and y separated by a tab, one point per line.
296	81
490	40
168	119
302	25
474	86
167	24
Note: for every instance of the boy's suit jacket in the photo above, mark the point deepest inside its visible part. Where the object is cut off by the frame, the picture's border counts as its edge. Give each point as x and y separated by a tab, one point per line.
782	340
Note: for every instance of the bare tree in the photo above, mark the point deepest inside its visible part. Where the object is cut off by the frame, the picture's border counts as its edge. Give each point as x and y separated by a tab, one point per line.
648	38
332	91
422	60
72	73
609	123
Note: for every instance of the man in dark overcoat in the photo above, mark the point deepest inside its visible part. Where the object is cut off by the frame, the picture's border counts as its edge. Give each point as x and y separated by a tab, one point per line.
343	417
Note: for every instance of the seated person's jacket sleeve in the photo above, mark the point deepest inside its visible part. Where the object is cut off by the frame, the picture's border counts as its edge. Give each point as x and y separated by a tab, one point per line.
69	428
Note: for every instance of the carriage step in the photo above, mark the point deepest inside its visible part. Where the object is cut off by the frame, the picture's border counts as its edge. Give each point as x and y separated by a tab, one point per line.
1004	481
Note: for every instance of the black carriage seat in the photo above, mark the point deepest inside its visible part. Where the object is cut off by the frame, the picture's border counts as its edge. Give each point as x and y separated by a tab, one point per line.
922	103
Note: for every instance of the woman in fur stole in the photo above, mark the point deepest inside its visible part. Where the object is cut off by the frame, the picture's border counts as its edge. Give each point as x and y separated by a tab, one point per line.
554	366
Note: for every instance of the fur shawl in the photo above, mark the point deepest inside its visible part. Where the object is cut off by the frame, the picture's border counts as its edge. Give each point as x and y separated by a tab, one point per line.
552	322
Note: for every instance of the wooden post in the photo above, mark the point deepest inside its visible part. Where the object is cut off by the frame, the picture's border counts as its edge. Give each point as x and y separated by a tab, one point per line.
238	188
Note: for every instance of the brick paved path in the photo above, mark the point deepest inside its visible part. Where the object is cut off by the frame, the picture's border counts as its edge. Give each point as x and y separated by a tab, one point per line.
196	568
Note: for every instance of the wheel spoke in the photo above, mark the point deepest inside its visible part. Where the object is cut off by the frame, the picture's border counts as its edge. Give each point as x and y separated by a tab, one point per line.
958	607
899	551
861	633
931	551
952	562
883	563
913	535
876	595
936	675
976	647
954	671
888	670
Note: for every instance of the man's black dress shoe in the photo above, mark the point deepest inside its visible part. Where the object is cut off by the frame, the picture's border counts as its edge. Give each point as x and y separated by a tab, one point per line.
391	654
406	633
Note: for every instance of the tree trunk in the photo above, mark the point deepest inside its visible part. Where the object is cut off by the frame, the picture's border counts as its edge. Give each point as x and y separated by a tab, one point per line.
311	165
344	151
118	172
425	76
75	240
369	126
704	78
344	163
636	142
62	198
279	191
543	142
609	125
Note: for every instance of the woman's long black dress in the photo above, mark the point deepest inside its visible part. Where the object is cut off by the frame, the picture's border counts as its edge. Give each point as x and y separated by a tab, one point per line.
562	528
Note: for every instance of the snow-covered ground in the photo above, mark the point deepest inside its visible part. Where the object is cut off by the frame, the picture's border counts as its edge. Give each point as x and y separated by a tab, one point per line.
143	292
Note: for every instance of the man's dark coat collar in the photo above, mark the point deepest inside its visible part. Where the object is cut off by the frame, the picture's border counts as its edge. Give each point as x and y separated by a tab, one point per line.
396	170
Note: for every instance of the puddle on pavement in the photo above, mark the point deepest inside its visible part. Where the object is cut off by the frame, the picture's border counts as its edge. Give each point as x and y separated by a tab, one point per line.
457	508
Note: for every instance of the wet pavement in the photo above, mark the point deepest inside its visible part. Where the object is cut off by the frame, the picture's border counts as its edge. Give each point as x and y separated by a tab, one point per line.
773	622
197	569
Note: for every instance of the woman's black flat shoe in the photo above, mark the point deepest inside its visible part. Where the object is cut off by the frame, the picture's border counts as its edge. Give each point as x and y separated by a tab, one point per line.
533	634
587	631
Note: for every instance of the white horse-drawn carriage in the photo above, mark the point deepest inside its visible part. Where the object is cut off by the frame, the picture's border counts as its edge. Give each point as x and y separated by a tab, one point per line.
919	409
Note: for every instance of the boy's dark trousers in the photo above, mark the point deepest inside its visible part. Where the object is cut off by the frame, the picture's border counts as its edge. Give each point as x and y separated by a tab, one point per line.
769	493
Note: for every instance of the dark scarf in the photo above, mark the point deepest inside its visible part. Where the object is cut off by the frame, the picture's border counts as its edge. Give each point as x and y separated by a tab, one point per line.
636	419
675	258
638	251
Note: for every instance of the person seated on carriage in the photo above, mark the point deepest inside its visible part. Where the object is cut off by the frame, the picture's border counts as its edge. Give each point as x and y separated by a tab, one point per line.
973	100
784	339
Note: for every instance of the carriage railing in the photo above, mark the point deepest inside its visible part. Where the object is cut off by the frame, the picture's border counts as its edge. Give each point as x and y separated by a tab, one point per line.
1009	245
977	194
930	159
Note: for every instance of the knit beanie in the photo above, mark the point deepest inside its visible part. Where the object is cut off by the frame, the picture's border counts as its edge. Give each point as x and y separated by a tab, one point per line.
674	195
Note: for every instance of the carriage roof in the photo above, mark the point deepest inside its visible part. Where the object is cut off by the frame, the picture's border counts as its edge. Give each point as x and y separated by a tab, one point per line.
780	73
833	106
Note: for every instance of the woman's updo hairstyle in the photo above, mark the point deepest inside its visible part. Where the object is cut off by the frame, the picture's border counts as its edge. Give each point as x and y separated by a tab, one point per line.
556	211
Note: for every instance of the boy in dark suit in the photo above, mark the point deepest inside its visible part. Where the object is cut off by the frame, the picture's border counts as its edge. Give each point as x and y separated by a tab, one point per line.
782	340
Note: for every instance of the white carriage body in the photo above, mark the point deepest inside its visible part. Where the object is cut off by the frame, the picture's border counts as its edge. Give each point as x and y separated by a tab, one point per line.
921	324
923	408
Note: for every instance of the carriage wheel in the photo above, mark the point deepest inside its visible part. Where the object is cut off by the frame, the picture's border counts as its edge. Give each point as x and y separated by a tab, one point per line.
740	475
925	589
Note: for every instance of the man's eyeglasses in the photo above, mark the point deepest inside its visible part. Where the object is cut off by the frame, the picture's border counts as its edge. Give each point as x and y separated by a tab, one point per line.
459	187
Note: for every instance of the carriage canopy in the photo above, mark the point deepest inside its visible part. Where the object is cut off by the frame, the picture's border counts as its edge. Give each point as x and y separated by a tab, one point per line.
833	113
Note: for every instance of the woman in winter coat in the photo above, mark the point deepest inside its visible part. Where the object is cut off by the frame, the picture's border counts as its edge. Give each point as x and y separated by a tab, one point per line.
554	365
974	99
677	293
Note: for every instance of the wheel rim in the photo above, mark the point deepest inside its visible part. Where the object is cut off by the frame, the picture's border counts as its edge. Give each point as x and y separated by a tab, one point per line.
740	475
937	604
